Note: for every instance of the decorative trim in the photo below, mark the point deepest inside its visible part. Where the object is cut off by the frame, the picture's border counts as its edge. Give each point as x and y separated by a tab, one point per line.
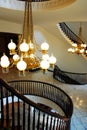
51	4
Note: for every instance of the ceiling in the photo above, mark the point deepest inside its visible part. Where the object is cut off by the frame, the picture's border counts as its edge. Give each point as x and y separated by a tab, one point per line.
76	11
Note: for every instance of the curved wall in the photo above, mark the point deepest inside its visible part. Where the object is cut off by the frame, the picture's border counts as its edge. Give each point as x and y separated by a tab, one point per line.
6	26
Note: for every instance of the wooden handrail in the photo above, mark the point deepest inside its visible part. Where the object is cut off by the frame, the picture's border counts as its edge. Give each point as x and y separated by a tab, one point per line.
77	78
33	110
19	95
70	33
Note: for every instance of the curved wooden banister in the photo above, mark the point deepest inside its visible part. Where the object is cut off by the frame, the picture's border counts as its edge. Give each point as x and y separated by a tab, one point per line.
32	114
25	99
42	89
69	77
69	33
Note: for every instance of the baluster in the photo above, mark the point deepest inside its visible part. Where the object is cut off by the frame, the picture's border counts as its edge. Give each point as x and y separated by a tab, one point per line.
22	90
16	84
19	87
43	124
62	124
24	84
50	124
25	88
29	117
29	89
42	91
57	126
7	109
23	115
2	108
38	122
18	115
47	122
13	120
67	124
54	124
33	119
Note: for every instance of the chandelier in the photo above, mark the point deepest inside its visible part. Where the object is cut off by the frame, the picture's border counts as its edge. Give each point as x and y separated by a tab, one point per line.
23	56
80	46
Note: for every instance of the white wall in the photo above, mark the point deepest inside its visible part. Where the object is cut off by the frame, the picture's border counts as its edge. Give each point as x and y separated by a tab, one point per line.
65	60
6	26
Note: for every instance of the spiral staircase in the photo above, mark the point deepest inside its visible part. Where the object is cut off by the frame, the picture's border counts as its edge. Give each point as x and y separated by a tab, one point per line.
69	35
64	76
18	112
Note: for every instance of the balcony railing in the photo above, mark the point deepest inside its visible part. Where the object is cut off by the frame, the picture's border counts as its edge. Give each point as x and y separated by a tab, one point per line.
69	33
25	114
69	77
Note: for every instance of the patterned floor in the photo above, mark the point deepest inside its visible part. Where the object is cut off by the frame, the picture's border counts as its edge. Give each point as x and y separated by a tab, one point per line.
78	93
79	120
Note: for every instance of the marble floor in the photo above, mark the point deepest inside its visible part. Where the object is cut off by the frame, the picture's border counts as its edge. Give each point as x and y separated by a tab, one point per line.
78	93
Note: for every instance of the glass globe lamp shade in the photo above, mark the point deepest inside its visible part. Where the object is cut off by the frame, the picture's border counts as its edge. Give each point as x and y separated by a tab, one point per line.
82	50
12	47
86	51
74	50
5	64
44	47
21	65
45	57
70	50
24	47
5	61
16	57
31	46
52	60
74	45
83	45
44	64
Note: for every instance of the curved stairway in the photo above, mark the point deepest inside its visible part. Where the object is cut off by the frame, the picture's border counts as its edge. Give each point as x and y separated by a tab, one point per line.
69	35
63	30
69	77
28	115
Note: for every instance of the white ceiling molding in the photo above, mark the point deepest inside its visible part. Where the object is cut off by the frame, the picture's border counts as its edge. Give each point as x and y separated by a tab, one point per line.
51	4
